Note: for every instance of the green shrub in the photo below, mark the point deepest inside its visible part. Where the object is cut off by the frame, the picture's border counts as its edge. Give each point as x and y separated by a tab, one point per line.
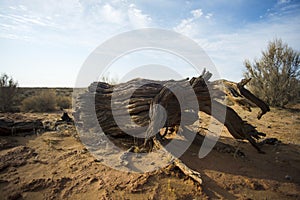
43	102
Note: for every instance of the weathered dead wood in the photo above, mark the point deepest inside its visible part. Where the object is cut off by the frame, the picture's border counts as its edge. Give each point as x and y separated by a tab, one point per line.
138	98
65	119
248	95
9	127
141	107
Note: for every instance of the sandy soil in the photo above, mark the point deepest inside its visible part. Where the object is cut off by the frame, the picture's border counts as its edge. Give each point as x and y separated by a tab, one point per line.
55	165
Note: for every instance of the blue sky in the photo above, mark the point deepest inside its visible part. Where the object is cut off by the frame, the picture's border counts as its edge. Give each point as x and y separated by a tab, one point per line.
44	43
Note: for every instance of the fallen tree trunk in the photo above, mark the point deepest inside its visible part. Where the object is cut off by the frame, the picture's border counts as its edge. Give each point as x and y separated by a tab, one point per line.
138	99
8	127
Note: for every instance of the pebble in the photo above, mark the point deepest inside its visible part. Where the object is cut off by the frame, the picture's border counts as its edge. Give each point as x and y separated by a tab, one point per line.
83	151
98	160
124	162
138	155
124	156
287	177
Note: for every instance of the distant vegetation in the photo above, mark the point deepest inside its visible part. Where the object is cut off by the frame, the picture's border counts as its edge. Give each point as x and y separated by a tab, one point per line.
64	102
45	99
107	78
8	91
43	102
276	75
15	99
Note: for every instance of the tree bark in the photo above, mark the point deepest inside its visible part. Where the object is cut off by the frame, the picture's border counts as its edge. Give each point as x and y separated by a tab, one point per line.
139	98
8	127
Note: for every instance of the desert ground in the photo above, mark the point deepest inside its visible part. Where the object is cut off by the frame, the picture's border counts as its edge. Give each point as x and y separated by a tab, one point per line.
55	165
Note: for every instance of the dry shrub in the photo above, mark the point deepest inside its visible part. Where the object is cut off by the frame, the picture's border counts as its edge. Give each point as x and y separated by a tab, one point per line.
64	102
276	75
8	92
43	102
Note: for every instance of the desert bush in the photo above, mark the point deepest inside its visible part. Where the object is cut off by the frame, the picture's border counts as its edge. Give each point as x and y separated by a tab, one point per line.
8	91
107	78
276	75
43	102
64	102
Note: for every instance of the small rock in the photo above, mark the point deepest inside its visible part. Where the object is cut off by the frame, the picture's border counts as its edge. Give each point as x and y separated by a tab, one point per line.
272	141
124	156
95	179
83	151
98	160
287	177
138	155
269	126
124	162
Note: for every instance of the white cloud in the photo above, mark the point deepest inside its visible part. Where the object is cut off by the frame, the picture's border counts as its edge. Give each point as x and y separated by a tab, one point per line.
283	1
228	47
197	13
228	51
185	27
189	25
111	14
22	7
208	16
137	18
86	22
